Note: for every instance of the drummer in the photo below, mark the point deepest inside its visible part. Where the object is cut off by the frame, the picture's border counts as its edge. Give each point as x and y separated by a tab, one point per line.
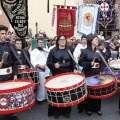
21	55
59	61
9	67
90	61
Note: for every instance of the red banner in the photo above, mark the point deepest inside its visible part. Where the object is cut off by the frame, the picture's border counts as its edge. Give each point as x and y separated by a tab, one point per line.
66	20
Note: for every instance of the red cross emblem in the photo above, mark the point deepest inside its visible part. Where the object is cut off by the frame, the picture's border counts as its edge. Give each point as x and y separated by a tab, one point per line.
104	6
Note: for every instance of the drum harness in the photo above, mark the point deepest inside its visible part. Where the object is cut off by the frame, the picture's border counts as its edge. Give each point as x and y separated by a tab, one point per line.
102	57
26	57
15	54
98	51
68	50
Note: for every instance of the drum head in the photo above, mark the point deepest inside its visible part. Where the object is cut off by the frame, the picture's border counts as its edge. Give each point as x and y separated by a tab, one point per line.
115	64
64	81
99	80
13	85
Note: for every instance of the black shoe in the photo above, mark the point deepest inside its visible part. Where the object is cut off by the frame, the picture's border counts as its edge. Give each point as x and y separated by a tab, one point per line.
13	118
88	113
56	115
99	113
39	102
67	115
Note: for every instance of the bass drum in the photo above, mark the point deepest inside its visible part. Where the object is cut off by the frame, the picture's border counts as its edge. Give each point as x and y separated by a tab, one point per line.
101	86
66	89
16	96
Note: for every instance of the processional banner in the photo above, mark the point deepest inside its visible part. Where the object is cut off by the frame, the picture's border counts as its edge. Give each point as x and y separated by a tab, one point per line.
17	14
66	20
87	19
105	11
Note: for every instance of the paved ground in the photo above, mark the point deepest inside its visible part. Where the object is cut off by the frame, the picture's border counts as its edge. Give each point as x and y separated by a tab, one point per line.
39	112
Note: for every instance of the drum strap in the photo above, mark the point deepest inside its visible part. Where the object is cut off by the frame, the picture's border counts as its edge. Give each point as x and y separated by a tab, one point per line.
26	57
15	54
72	57
102	57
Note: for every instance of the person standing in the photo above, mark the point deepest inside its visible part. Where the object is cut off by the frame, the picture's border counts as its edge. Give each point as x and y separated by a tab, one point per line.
21	55
88	60
81	46
100	36
38	59
53	43
59	61
13	37
9	67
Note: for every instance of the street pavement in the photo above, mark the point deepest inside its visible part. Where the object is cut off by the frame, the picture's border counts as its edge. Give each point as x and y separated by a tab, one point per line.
109	109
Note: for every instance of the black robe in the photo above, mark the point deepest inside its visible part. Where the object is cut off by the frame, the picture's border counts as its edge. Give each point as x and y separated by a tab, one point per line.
24	61
66	65
11	61
85	60
108	51
62	56
22	57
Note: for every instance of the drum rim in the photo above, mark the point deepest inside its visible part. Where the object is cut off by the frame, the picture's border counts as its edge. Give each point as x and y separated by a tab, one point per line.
18	109
103	85
27	70
17	89
65	88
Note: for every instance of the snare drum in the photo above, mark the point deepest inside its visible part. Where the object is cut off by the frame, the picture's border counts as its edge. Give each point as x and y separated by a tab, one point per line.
101	86
29	74
66	89
16	96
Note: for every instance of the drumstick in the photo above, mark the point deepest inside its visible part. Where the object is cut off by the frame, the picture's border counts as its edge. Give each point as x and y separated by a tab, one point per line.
94	59
19	53
4	57
102	57
95	56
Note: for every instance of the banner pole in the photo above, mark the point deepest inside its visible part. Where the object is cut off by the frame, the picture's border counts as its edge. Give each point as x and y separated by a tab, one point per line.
64	3
48	6
98	20
105	31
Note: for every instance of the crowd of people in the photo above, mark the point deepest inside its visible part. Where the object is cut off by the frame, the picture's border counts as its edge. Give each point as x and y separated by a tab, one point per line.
51	57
